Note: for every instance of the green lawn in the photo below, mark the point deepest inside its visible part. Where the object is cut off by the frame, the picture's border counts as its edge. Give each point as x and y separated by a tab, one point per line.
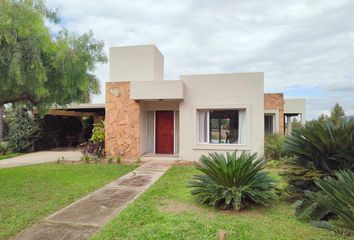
9	155
28	194
168	211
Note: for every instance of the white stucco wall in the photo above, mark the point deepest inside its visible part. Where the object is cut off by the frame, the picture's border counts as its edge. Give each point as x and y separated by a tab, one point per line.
296	106
221	91
156	90
135	63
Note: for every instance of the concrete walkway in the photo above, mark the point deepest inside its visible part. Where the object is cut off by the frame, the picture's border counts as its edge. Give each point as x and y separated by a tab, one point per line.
41	157
84	217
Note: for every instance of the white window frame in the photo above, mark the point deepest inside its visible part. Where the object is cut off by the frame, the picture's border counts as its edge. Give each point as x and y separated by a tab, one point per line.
222	146
276	124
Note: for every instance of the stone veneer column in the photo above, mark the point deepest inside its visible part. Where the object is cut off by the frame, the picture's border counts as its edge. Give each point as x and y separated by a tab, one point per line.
122	123
275	101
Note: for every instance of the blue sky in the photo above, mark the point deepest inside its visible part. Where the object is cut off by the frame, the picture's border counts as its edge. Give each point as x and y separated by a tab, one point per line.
305	48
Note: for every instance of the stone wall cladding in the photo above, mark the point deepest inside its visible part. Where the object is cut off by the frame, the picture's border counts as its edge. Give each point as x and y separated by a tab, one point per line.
122	122
275	101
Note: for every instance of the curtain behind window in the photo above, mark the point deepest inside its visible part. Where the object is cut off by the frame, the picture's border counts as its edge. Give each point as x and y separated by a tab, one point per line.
203	126
241	127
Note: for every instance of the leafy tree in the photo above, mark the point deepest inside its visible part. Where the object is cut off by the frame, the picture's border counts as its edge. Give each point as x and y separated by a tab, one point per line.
24	130
337	113
41	68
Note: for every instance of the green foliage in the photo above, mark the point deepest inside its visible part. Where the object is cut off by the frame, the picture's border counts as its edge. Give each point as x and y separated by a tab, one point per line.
98	132
337	195
118	160
319	149
95	146
273	164
337	113
273	147
87	158
231	181
4	148
41	67
24	130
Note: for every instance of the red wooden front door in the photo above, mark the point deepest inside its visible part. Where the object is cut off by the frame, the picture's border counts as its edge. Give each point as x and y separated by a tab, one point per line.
164	132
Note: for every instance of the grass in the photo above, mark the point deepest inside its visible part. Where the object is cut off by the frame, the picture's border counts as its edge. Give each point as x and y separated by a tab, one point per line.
28	194
9	155
168	211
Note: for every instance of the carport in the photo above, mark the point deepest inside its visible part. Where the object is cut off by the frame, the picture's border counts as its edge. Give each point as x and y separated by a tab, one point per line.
71	125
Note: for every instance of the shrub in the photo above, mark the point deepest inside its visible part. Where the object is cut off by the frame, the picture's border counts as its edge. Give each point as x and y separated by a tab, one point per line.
231	181
337	195
118	159
87	158
95	146
273	164
23	130
4	148
320	149
273	147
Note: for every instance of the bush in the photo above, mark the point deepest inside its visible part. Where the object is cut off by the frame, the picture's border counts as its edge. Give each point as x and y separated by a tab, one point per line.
4	148
320	149
273	147
232	181
23	130
95	146
337	195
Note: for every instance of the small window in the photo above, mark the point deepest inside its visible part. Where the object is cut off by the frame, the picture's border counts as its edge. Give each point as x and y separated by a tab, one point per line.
225	126
269	123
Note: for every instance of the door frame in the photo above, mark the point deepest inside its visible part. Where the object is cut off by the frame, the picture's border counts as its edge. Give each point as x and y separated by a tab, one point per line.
174	131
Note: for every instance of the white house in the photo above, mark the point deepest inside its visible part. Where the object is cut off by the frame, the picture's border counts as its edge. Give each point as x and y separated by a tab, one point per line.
146	115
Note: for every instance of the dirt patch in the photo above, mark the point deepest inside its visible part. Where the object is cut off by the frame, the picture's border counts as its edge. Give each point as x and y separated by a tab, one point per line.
136	181
254	212
185	163
222	234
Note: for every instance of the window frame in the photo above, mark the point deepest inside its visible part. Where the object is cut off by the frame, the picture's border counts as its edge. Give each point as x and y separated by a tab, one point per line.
246	145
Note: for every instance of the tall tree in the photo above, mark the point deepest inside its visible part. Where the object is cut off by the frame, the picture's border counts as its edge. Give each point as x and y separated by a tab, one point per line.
337	113
39	67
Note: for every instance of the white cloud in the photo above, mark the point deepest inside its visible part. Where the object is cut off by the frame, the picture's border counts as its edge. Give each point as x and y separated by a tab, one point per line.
297	43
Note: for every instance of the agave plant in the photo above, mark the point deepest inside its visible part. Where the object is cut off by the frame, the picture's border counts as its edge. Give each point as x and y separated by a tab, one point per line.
232	181
320	149
337	195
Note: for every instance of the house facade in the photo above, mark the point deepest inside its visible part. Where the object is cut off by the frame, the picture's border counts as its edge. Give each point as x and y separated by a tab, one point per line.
146	115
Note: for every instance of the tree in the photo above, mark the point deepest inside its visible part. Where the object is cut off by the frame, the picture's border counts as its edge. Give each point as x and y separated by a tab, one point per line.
41	68
337	113
24	130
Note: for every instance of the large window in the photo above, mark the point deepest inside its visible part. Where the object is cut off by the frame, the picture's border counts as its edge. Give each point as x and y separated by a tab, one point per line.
226	126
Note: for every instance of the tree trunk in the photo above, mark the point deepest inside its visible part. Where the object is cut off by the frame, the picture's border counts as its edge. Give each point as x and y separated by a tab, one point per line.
2	110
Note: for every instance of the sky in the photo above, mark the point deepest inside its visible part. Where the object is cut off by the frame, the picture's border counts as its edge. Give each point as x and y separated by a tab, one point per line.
304	48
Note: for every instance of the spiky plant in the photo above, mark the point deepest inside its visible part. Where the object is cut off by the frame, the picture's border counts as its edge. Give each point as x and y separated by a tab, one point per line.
320	149
337	195
232	181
